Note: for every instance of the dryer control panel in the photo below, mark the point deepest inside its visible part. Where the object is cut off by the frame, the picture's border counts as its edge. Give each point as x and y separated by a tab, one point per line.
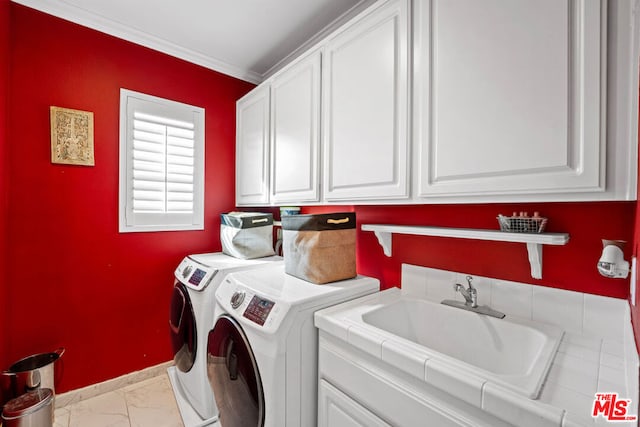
193	274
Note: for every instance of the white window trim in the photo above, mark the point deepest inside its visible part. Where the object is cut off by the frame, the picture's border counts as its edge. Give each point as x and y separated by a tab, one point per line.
151	222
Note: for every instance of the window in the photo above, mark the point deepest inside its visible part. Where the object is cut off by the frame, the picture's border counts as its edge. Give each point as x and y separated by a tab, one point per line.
161	164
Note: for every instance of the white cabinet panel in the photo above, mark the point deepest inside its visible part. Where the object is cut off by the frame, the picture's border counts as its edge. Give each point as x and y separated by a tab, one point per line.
365	96
336	409
379	388
510	96
252	148
295	130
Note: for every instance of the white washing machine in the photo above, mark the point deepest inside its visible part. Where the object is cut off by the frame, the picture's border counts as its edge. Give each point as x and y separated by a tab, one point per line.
264	346
191	320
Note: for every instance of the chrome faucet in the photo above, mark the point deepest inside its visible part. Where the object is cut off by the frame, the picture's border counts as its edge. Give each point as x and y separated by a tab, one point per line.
470	295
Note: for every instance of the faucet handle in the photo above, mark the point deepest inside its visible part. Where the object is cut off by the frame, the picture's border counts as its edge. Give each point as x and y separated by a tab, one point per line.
469	280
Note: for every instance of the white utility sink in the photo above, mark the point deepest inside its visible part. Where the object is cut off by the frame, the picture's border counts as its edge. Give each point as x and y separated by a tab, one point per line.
514	353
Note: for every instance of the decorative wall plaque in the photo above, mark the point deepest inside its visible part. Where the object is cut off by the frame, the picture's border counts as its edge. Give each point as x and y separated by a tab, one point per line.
71	137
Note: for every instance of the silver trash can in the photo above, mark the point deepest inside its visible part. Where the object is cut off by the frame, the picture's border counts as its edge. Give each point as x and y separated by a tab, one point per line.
32	409
30	373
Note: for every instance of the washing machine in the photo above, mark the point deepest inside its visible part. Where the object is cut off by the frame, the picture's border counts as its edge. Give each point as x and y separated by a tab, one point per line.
191	319
264	346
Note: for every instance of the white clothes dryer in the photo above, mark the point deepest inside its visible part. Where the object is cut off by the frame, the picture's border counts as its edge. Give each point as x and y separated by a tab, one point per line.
191	319
264	346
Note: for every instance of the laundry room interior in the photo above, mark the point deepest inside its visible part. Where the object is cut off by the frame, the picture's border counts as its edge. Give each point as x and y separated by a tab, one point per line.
554	142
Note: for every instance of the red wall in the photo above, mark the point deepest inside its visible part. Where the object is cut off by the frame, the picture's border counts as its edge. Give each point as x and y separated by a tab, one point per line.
74	280
5	22
571	267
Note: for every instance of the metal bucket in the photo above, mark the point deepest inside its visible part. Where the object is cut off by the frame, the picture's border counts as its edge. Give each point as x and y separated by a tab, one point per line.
30	373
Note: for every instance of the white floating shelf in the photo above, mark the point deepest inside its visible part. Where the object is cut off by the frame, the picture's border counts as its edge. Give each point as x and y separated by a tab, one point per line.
534	241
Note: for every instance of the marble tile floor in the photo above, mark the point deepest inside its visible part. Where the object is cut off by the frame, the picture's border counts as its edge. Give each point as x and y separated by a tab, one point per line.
149	403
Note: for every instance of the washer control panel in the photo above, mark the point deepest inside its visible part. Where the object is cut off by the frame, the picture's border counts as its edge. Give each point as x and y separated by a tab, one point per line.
258	309
251	308
194	274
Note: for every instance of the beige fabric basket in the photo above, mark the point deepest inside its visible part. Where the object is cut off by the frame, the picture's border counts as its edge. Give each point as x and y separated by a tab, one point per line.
320	248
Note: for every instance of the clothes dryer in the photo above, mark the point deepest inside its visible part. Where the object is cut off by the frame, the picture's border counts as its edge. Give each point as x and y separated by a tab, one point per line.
264	345
191	319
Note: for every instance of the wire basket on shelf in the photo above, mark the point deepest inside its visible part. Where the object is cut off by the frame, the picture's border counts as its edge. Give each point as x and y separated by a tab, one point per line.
522	224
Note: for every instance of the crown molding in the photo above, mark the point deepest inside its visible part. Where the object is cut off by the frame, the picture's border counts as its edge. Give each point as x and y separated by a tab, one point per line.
82	17
316	40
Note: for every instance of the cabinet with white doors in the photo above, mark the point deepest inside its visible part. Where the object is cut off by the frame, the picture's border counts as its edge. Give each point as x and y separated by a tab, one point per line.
252	148
358	389
510	97
295	132
336	409
453	101
365	86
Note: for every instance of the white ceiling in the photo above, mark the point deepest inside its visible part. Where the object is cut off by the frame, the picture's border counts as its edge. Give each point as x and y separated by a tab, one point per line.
248	39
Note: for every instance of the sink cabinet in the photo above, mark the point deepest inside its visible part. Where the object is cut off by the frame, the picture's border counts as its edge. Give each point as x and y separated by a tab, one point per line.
401	357
356	389
336	409
406	359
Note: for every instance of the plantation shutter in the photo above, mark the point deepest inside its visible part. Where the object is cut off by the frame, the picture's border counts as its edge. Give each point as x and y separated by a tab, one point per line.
164	165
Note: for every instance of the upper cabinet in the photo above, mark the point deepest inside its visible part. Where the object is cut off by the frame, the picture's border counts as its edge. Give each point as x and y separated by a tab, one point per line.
451	101
365	107
252	148
510	96
278	138
295	132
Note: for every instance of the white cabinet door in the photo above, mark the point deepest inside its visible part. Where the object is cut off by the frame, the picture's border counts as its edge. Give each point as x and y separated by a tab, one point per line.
252	148
295	132
336	409
365	95
509	96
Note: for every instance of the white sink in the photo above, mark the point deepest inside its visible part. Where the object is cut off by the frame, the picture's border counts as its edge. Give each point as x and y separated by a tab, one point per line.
516	354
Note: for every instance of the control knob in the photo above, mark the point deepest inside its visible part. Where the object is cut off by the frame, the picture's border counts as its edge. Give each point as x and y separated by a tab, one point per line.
237	298
187	271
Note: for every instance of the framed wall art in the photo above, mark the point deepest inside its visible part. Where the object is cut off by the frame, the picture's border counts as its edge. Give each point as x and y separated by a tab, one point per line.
71	137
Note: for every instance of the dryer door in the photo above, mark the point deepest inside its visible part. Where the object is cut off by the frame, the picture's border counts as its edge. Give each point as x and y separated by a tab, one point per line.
234	376
182	325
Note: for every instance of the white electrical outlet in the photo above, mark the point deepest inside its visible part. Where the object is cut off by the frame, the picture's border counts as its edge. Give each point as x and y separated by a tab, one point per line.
634	275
